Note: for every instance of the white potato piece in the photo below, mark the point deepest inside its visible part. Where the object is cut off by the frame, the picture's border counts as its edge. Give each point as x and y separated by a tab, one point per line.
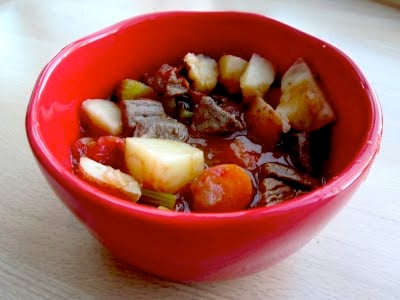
130	89
230	68
202	70
103	115
257	77
109	177
302	101
162	165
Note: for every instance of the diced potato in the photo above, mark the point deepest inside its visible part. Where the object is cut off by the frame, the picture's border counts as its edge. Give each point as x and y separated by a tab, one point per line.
203	71
101	115
230	68
264	123
162	165
257	77
302	101
130	89
109	177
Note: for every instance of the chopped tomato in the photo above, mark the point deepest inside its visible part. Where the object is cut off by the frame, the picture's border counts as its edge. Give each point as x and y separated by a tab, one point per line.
108	150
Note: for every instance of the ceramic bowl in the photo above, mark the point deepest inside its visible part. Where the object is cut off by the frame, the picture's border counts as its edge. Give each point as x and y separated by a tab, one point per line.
197	247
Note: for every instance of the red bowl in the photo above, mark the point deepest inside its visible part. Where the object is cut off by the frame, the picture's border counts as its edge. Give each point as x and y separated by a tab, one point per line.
194	247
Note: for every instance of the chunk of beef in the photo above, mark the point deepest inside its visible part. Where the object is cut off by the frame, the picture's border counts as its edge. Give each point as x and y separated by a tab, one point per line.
320	150
289	175
211	118
230	106
308	150
167	81
147	118
134	109
302	151
275	191
246	153
161	127
299	145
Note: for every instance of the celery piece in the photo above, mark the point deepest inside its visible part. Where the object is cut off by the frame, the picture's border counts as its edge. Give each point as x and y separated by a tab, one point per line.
158	198
163	208
185	114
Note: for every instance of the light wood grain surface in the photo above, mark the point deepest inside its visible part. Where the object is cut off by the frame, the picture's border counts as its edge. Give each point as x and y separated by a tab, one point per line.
45	253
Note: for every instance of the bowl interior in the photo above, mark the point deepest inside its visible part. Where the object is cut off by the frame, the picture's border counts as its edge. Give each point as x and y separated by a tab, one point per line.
90	68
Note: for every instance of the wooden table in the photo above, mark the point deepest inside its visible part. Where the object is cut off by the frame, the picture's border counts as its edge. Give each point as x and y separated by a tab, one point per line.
45	253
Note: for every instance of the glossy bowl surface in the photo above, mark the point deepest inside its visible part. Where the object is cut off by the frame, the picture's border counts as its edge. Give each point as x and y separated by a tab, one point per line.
195	247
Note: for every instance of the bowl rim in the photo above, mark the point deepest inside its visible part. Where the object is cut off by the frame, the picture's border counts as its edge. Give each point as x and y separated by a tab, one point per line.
66	178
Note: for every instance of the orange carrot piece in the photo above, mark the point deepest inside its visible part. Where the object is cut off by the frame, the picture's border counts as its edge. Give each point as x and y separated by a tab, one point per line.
222	188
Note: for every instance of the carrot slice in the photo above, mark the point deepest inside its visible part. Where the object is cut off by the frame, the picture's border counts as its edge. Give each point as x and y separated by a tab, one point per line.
222	188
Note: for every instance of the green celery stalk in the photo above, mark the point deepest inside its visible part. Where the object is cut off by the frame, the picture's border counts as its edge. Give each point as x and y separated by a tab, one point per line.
159	198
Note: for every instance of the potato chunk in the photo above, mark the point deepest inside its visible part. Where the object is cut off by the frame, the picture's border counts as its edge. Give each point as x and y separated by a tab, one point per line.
203	71
162	165
257	77
302	101
264	123
130	89
230	69
109	177
101	115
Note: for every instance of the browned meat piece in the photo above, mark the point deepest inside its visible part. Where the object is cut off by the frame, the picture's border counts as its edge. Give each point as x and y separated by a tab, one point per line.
209	117
167	81
161	127
147	118
230	106
246	153
275	191
308	150
134	109
301	150
303	147
288	174
320	149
